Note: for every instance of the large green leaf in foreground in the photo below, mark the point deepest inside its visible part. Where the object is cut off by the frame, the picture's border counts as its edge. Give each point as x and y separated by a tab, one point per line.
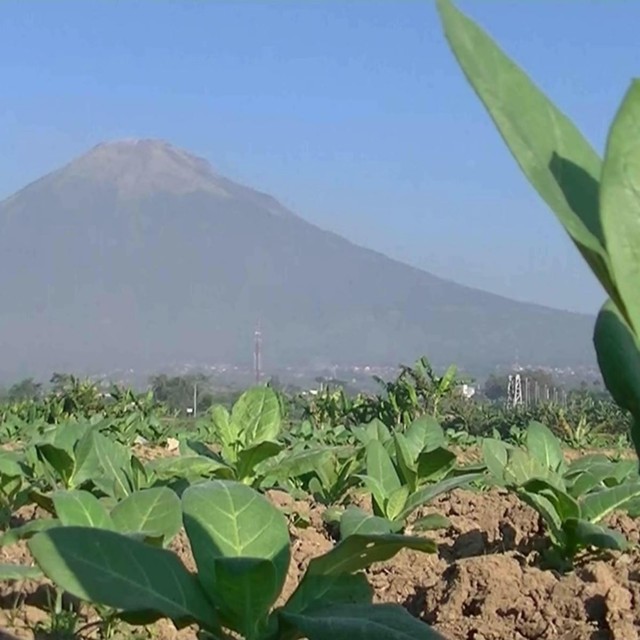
240	543
360	622
558	161
620	202
108	568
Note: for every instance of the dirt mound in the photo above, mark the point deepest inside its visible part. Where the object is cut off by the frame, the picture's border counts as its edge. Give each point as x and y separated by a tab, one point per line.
483	584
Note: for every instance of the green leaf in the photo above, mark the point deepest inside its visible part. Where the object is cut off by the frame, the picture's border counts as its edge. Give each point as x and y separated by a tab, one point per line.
80	509
407	463
587	534
108	568
251	457
226	431
256	415
230	521
565	505
435	464
547	509
155	512
113	459
625	470
298	464
544	446
558	161
191	467
396	502
428	493
9	464
325	574
355	520
380	466
620	202
585	463
374	430
87	464
522	466
425	434
59	460
496	457
448	379
67	434
597	475
323	591
431	522
374	486
618	354
27	530
600	504
359	551
359	622
19	572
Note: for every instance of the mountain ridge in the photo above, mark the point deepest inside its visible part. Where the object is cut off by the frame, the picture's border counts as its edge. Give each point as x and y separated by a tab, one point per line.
131	227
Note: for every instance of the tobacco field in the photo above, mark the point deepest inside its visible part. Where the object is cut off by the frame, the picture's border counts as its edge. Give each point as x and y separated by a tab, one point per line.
397	516
119	521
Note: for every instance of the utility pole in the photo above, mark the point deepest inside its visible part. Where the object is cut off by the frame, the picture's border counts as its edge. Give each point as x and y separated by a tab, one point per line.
195	399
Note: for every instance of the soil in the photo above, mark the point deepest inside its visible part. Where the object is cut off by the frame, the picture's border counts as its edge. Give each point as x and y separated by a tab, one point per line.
485	582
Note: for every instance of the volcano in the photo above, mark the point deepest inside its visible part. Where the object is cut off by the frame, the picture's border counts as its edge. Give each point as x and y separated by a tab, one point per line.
138	253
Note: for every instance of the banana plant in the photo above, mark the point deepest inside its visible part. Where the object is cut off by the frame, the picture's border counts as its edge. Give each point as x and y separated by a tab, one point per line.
241	547
596	200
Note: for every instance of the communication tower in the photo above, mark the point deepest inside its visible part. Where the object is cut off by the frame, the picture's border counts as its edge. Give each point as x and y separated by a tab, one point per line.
514	391
257	353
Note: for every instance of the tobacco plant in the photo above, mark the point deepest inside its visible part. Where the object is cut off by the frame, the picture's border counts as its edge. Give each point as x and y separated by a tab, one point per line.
240	543
405	471
597	201
572	500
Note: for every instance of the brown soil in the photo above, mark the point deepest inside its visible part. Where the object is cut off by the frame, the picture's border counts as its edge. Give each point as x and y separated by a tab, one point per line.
483	584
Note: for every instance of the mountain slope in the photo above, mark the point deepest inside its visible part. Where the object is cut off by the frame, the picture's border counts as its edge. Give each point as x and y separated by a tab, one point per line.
138	253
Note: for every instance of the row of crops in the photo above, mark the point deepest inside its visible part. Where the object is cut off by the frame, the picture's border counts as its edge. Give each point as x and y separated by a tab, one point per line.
106	515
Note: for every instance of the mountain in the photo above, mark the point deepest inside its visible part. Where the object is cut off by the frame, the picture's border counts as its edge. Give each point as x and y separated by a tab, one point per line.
138	254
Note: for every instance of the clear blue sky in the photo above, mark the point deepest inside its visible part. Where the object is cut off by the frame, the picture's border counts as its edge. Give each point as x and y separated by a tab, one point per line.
353	113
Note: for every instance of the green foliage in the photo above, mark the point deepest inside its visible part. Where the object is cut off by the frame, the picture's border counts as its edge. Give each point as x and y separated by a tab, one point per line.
241	548
402	473
415	391
596	201
571	499
247	438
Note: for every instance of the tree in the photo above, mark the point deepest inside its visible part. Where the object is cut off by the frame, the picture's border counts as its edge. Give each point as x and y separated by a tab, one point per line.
176	392
26	389
495	388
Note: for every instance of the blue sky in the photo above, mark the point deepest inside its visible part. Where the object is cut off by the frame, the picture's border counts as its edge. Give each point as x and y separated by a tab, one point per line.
352	113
